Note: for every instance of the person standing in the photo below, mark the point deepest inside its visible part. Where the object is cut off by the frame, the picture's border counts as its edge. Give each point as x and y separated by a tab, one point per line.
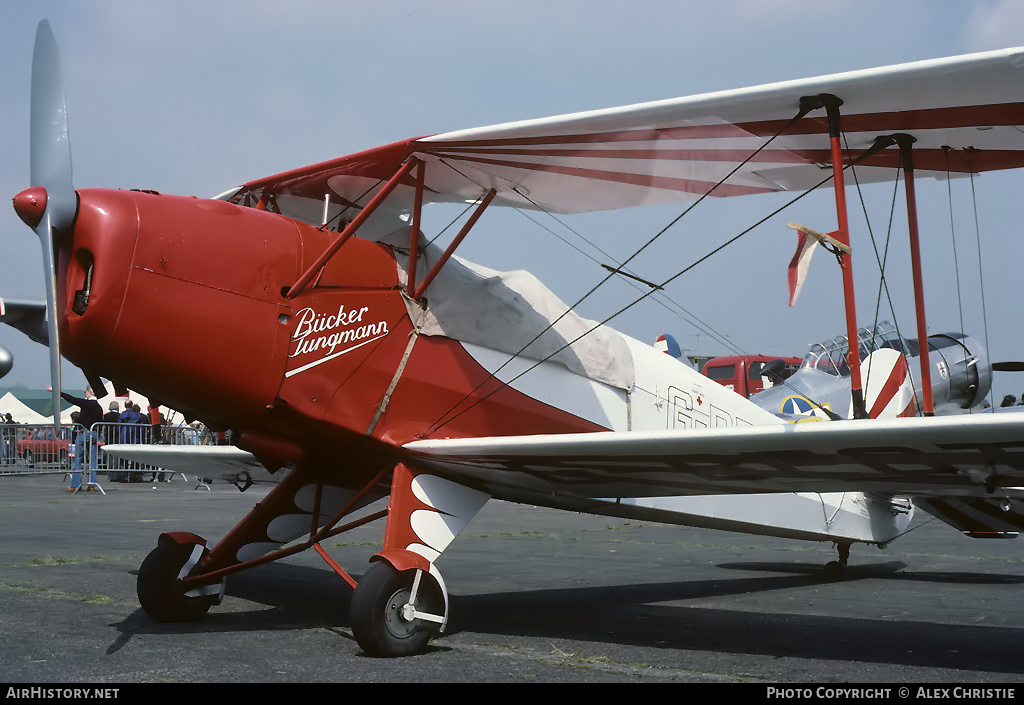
131	421
8	456
108	434
90	412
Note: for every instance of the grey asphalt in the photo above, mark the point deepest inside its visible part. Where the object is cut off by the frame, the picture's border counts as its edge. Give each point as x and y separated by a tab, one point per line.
537	596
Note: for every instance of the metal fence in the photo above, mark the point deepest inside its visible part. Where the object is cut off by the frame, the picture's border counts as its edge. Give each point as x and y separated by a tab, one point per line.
34	449
26	448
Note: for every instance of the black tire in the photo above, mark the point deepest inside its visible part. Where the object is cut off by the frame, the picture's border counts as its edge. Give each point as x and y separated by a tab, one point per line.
159	590
376	612
834	570
29	460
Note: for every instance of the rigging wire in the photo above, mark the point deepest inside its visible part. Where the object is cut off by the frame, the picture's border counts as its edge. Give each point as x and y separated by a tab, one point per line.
438	423
882	283
453	221
441	420
956	260
981	277
952	234
661	297
881	260
913	528
492	374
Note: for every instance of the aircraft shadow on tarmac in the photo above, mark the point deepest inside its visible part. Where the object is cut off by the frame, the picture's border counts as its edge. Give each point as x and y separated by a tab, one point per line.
883	571
637	615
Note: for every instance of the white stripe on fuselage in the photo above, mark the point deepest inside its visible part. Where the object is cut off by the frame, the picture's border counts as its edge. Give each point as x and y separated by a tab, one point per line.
669	394
554	385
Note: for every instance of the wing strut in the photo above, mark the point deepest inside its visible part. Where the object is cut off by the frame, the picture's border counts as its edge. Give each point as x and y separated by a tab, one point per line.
906	143
488	197
831	105
351	228
414	234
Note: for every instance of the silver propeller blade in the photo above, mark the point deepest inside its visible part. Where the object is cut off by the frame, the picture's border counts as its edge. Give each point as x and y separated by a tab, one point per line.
50	164
50	145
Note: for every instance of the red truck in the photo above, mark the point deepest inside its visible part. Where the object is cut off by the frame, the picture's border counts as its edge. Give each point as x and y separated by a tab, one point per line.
742	373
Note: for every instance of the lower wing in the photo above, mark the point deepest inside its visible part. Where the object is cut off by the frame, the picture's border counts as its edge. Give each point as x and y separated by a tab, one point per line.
222	463
960	456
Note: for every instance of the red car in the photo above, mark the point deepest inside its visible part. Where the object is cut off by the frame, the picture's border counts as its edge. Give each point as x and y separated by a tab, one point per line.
40	446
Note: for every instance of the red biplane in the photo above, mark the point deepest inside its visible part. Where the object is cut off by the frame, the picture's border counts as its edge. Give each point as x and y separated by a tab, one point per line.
354	360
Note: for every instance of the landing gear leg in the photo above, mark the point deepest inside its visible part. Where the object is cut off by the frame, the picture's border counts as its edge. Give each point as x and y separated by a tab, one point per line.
395	613
401	601
834	569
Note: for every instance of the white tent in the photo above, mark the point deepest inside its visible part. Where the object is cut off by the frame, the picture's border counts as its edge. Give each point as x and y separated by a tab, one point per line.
10	404
25	415
141	402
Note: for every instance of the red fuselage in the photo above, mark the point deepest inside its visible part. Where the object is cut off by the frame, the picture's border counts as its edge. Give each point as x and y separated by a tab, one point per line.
186	304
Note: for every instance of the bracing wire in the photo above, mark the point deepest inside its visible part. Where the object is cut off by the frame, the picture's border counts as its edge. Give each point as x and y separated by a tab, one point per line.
883	284
952	235
981	277
882	260
663	299
441	419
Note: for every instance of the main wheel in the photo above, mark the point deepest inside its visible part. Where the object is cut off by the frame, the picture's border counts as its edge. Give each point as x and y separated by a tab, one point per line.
377	615
159	589
834	570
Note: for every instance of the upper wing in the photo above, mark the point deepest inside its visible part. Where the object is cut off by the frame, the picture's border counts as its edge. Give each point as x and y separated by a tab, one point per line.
958	456
28	317
964	113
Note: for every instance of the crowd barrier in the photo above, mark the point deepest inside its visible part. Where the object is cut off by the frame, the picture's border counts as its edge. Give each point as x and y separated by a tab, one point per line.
27	449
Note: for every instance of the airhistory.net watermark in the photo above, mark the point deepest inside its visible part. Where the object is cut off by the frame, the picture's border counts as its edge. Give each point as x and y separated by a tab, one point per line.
46	693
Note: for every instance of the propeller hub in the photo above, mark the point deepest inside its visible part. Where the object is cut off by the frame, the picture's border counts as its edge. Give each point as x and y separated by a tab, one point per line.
30	205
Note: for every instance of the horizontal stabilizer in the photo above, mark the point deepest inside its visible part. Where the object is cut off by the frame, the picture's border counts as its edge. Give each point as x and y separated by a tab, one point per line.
978	517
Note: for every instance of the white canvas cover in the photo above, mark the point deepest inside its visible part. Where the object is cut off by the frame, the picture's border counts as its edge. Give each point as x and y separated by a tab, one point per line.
505	311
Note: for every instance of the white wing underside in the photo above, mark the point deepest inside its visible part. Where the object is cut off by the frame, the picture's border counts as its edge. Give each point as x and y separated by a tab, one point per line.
979	456
225	463
963	456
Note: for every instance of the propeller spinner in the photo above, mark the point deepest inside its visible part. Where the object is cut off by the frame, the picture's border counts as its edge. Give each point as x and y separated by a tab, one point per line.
6	361
49	206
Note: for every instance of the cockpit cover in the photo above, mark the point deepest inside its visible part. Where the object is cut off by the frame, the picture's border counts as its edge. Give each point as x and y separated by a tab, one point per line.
514	313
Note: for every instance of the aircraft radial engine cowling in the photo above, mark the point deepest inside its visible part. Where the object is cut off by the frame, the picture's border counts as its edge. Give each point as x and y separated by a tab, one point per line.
961	374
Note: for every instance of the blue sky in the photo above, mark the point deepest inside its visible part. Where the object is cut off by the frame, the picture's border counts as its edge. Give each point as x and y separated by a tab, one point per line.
196	97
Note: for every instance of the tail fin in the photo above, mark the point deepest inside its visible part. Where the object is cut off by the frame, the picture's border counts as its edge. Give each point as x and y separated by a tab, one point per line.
888	388
668	345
